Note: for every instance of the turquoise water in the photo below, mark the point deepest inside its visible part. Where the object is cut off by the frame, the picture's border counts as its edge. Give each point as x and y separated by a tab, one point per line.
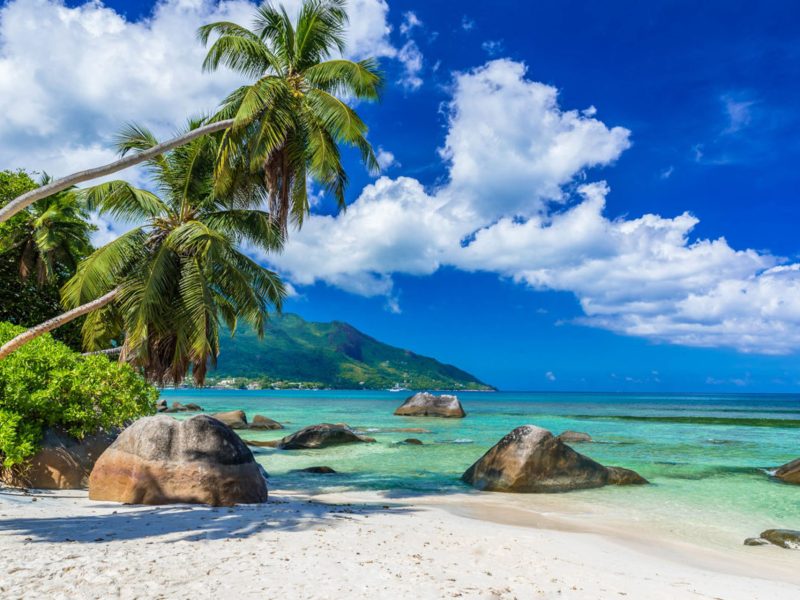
704	454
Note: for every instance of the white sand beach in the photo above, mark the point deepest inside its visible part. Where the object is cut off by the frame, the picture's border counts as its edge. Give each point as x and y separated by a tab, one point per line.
61	545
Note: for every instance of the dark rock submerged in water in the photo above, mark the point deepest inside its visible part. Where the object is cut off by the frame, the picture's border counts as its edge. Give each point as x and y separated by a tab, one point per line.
178	407
322	436
785	538
790	472
262	422
160	460
315	470
412	442
532	460
235	419
425	404
572	437
62	463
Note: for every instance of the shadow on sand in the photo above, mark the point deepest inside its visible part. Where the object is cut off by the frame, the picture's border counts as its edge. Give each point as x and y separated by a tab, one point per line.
190	522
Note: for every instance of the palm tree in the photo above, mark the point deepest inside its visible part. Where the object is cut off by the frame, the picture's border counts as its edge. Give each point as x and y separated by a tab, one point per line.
51	238
284	126
288	123
171	282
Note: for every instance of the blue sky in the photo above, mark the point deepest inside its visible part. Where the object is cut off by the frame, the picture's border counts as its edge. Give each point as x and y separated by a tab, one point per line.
695	111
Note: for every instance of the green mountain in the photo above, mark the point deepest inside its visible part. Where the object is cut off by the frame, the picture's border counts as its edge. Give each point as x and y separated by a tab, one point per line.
335	355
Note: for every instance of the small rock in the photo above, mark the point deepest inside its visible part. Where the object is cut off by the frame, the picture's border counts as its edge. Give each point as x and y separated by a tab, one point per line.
425	404
785	538
571	437
412	442
790	472
322	436
262	422
235	419
756	542
315	470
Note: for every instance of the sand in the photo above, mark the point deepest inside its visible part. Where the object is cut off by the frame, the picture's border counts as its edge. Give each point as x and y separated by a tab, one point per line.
61	545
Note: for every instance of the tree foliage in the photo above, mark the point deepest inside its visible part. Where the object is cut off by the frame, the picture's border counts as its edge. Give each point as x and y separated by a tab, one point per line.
45	384
290	121
182	272
39	251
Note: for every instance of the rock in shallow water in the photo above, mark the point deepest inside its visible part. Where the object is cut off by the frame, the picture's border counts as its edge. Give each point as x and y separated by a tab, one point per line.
235	419
790	472
159	460
262	422
532	460
315	470
424	404
571	437
785	538
322	436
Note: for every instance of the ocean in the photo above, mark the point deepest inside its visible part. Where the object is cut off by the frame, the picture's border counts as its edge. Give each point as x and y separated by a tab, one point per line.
705	455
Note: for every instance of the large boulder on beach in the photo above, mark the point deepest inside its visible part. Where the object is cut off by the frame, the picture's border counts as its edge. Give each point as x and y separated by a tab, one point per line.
425	404
262	422
235	419
322	436
532	460
62	463
160	460
790	472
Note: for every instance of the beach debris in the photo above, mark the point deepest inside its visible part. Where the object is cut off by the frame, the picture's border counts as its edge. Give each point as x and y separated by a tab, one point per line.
572	437
315	470
785	538
532	460
425	404
235	419
262	422
160	460
322	436
62	463
789	473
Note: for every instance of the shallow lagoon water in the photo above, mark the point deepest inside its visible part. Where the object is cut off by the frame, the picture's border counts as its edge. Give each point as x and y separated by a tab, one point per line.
704	454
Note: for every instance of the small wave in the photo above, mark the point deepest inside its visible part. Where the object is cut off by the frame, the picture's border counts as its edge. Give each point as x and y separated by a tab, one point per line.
463	441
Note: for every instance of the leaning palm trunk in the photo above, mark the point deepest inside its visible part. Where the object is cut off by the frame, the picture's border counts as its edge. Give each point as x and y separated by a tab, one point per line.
21	202
55	323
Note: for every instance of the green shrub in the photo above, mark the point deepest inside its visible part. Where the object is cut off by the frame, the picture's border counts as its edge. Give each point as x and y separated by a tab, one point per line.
45	384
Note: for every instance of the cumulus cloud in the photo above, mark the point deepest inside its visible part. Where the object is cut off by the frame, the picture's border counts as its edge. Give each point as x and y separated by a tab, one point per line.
512	205
71	76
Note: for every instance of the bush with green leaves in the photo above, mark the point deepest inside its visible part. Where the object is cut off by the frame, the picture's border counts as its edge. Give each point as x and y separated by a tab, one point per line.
45	384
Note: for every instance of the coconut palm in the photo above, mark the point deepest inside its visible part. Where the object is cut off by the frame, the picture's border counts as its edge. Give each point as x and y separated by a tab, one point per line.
288	123
170	283
50	238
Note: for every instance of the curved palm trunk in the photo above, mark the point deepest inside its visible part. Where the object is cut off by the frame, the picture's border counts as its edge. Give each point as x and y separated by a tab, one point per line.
55	322
21	202
106	352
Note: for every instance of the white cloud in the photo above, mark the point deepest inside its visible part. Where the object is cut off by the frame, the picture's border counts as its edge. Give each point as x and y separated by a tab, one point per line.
738	112
467	24
514	155
70	77
410	21
493	47
411	58
386	159
550	376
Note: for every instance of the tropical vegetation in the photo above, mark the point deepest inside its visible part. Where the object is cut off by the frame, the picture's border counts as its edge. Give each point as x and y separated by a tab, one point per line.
329	355
39	250
173	280
46	384
288	123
